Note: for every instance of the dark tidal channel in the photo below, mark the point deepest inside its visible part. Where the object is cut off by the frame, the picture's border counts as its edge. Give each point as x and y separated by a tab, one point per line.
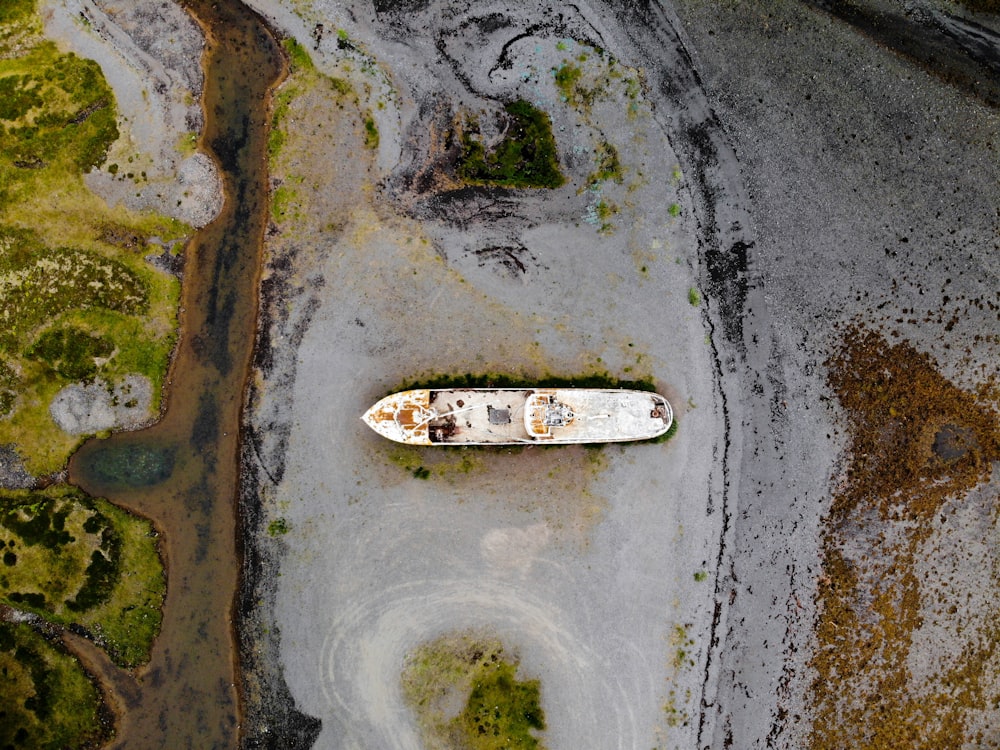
183	473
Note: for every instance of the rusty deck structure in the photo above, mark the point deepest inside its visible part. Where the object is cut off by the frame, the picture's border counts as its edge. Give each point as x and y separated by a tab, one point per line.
519	416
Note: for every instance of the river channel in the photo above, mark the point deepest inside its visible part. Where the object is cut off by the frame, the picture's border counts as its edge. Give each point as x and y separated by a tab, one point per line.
183	472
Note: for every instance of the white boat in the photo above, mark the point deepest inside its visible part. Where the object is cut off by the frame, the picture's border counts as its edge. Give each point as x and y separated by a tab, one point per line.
519	416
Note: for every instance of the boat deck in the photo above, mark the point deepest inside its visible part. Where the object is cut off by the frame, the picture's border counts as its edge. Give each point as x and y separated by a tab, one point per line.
480	416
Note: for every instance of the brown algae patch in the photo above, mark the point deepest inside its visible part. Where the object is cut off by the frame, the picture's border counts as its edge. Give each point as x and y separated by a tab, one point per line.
918	447
464	690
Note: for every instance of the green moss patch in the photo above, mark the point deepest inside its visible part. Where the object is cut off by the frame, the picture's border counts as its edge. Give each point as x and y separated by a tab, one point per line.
452	462
16	10
47	701
525	158
58	112
83	562
54	281
568	77
70	352
592	379
608	165
298	56
464	690
9	387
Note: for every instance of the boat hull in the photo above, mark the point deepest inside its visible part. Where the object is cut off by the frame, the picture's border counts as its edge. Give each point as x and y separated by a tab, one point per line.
519	416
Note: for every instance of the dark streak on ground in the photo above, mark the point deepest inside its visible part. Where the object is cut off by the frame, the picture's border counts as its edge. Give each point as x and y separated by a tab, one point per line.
961	53
725	240
271	720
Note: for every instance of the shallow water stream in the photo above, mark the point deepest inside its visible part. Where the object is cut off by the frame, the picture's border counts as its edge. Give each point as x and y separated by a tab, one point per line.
183	472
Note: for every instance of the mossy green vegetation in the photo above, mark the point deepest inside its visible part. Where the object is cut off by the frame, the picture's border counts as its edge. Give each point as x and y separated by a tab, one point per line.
57	111
371	133
9	382
591	379
83	562
77	298
568	77
15	11
70	352
285	204
47	701
502	711
278	527
463	688
526	158
608	165
43	283
445	462
604	210
298	56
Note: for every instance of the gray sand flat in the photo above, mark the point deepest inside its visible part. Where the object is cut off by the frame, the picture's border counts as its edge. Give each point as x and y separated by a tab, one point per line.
584	563
826	180
663	594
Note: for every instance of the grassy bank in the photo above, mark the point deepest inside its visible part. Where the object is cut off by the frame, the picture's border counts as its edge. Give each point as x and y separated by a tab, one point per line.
82	562
464	690
79	303
47	702
77	297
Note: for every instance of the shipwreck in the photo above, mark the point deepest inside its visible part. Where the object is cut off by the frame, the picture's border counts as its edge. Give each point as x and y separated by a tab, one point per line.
519	416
